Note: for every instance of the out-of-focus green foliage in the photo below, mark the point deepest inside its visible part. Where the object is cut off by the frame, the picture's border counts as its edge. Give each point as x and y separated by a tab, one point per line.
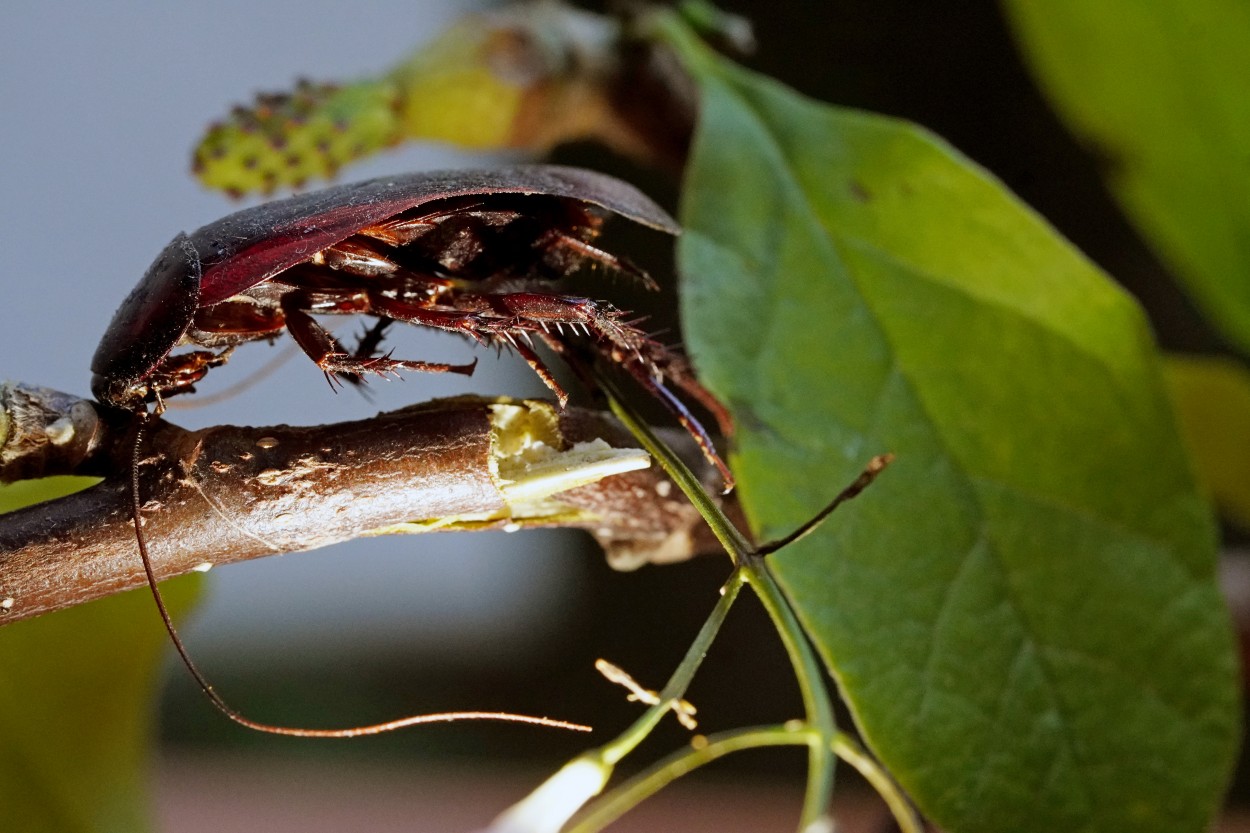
78	703
1022	610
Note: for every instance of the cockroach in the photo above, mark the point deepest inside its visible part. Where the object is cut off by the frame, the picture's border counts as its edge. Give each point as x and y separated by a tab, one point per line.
482	253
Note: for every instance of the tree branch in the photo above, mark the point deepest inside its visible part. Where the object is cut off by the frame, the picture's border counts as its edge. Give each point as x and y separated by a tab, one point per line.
231	493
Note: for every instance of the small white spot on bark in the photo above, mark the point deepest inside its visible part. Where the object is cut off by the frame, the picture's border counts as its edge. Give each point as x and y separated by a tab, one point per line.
60	432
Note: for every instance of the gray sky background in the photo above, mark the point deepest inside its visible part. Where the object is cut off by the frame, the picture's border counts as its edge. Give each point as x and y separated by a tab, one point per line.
102	104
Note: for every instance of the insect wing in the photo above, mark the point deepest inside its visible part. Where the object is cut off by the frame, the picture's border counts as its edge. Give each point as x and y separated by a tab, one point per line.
251	246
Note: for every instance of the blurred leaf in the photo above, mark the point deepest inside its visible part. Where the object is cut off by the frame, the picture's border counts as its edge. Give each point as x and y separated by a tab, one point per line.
1212	399
1159	90
77	703
1021	611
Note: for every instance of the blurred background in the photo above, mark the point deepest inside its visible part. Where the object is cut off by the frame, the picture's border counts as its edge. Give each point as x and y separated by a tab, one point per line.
103	103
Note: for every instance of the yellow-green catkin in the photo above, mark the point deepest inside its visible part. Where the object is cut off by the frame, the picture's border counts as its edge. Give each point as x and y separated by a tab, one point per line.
285	139
451	90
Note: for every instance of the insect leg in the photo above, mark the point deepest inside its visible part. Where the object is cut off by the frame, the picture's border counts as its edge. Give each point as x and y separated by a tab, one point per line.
536	363
368	345
178	373
369	342
330	356
468	322
537	311
651	380
556	239
474	324
623	345
678	371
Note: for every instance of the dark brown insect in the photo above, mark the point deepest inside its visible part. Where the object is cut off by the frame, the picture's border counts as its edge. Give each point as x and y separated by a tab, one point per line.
479	253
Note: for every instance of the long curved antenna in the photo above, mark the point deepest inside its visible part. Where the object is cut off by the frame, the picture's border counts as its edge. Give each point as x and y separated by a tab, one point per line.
293	731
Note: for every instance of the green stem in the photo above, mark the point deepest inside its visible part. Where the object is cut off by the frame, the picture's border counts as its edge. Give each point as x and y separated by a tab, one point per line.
602	761
648	783
816	700
611	753
904	816
734	542
807	669
582	778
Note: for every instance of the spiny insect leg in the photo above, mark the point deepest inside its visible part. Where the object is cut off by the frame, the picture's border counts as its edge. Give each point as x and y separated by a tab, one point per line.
544	373
646	376
467	322
367	346
623	344
646	369
559	239
535	311
370	340
483	320
678	371
178	373
651	363
330	356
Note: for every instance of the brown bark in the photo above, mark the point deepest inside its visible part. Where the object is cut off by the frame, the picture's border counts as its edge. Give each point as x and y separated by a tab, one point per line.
231	493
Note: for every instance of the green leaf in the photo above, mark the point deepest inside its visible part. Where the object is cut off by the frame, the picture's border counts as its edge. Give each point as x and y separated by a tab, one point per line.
77	704
1159	90
1212	399
1021	611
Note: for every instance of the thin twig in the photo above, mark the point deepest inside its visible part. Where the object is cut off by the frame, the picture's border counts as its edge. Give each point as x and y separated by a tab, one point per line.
233	493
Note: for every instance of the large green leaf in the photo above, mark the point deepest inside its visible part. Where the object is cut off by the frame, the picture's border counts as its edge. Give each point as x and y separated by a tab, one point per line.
77	705
1021	612
1159	88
